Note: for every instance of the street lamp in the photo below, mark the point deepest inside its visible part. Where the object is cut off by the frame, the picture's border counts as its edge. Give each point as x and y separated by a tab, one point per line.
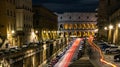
119	25
110	33
105	28
36	31
111	27
13	31
44	31
48	31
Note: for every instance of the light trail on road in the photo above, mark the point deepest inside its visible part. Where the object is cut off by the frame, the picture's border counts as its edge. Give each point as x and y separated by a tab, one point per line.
69	54
99	50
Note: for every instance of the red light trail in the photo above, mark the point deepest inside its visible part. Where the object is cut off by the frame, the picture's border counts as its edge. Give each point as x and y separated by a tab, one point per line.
69	54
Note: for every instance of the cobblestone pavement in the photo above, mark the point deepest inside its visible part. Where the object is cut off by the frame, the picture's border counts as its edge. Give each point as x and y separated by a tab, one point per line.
110	58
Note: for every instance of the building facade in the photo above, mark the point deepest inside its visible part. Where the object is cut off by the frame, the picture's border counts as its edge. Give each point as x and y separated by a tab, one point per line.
77	24
45	28
45	23
24	22
7	20
16	24
102	18
115	21
107	11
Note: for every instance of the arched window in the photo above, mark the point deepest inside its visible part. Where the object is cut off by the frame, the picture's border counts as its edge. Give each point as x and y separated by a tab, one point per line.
61	26
108	1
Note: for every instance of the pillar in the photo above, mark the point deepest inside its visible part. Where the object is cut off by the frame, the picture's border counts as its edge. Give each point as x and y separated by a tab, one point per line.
109	35
115	36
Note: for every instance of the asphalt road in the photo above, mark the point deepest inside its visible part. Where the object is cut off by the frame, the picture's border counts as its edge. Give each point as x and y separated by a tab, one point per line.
82	63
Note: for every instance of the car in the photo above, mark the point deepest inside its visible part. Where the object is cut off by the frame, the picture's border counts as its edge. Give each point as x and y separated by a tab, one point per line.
1	53
33	44
117	58
16	48
112	49
24	46
12	50
104	46
6	51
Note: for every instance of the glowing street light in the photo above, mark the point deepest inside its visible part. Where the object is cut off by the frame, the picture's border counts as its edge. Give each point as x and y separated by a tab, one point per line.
105	28
48	31
119	25
43	31
36	31
13	31
110	27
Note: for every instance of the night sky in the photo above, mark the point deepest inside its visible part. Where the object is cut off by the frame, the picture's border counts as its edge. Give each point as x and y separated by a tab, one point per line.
68	5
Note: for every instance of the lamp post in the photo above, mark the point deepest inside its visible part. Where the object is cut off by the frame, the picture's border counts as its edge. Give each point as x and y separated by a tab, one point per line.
110	32
106	33
13	39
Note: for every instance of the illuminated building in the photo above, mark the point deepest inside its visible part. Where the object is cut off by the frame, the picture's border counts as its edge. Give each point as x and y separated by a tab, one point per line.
45	26
24	21
115	20
7	20
45	23
108	13
77	24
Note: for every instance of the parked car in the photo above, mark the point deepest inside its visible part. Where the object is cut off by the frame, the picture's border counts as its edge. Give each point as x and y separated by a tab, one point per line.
1	53
117	58
112	49
33	44
16	48
12	50
6	51
24	46
104	46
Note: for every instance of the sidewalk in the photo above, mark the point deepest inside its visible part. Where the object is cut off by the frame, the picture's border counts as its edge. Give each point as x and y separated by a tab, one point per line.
110	58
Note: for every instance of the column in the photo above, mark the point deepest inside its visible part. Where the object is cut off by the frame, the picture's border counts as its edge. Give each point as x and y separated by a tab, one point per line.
115	36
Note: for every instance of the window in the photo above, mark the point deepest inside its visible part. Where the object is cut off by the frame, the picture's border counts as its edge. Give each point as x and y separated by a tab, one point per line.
61	26
108	2
14	14
24	17
60	17
0	12
13	1
70	17
10	1
7	0
8	12
87	17
96	15
37	22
